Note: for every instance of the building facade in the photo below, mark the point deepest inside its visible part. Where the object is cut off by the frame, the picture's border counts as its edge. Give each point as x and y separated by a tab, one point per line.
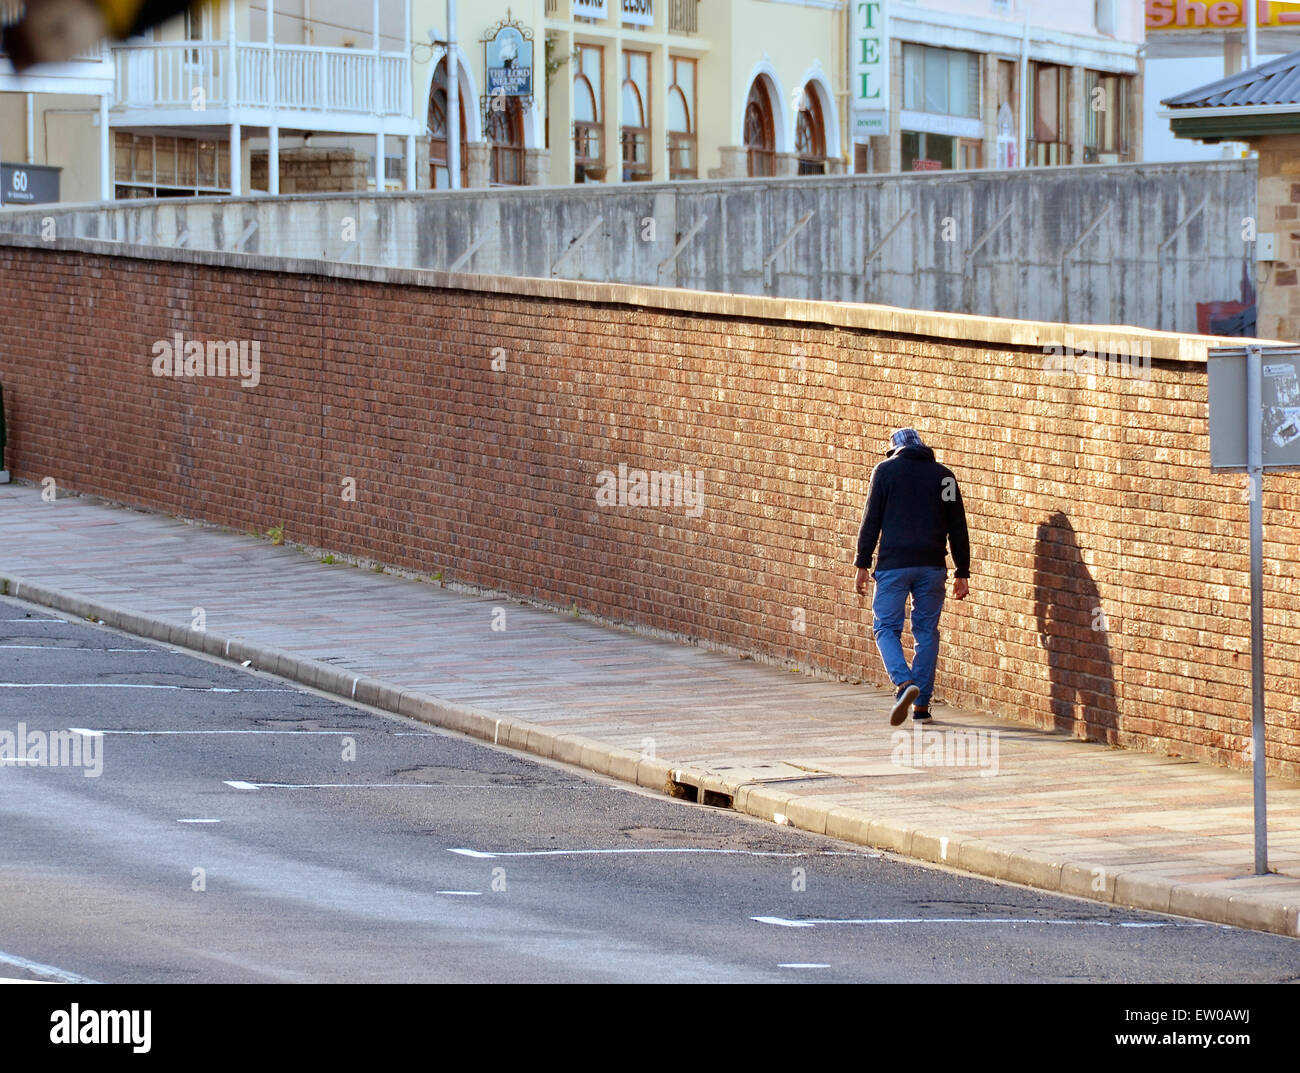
285	96
998	83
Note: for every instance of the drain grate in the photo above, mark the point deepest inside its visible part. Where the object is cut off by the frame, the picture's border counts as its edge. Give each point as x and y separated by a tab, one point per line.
686	791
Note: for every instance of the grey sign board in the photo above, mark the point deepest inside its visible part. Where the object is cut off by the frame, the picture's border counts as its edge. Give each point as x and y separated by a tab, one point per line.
28	184
1280	414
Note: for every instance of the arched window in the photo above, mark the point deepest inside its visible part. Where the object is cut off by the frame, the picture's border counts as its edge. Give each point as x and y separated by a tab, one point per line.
636	118
810	134
760	132
584	101
588	83
437	131
681	120
505	133
633	112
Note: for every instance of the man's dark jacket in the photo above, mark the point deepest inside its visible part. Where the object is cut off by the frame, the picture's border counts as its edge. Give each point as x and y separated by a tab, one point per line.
915	510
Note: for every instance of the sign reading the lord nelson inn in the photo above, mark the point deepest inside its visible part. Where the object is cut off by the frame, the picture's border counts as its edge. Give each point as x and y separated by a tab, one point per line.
509	64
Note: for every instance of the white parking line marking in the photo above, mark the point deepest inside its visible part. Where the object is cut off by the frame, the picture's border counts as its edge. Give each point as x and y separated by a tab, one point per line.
786	923
198	821
463	893
153	733
638	850
803	965
74	648
131	685
239	785
63	976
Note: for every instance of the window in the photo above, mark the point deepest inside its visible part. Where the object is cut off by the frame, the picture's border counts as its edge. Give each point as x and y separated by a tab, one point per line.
588	135
1048	100
636	116
505	133
439	177
810	134
760	132
1107	103
1008	123
198	27
681	120
683	16
147	166
1105	17
927	152
941	81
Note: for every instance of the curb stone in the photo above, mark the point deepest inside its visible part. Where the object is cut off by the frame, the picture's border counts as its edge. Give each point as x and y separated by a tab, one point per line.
1133	890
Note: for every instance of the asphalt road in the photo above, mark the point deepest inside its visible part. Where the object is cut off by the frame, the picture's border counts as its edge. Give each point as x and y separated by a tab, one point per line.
243	829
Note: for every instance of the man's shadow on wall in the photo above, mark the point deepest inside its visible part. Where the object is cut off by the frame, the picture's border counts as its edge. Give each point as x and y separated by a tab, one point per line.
1072	627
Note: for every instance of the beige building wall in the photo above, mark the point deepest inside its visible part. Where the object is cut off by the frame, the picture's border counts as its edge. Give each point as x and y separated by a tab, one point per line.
13	128
733	42
1279	212
787	46
65	134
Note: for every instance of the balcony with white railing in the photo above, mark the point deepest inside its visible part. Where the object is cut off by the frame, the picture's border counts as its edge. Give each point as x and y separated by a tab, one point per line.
88	72
209	83
683	16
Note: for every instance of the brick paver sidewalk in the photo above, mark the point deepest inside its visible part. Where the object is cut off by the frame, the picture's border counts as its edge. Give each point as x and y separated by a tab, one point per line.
1149	831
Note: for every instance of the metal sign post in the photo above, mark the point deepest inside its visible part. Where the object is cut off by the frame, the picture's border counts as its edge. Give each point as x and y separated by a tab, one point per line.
1255	426
1255	469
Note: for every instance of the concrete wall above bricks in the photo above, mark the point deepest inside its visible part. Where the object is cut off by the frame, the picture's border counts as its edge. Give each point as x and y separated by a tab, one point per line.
1167	239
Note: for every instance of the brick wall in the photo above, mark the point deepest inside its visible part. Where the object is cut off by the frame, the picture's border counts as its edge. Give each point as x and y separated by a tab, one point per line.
1094	518
312	171
1279	214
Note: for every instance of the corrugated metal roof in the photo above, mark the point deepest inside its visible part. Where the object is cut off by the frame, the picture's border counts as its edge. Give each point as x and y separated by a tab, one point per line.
1276	82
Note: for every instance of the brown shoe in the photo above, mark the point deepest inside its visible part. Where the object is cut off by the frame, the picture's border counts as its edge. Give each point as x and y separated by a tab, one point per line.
907	693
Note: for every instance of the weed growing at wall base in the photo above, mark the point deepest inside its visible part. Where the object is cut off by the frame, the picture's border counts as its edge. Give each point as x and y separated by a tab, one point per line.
218	357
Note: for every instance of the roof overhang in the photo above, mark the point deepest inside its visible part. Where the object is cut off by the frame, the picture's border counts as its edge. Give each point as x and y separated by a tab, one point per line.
1234	122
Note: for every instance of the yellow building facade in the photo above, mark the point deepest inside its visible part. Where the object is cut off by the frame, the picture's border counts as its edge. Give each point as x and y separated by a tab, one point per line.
293	96
648	90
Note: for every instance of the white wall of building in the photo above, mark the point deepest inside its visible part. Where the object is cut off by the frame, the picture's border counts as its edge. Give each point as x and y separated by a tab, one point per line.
1065	16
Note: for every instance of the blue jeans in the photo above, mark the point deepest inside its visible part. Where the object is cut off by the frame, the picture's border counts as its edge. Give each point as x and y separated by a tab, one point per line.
925	584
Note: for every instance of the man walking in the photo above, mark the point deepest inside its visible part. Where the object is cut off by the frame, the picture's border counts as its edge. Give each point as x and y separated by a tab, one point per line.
914	510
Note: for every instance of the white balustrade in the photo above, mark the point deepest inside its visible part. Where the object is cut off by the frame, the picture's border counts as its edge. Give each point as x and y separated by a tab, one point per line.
165	76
